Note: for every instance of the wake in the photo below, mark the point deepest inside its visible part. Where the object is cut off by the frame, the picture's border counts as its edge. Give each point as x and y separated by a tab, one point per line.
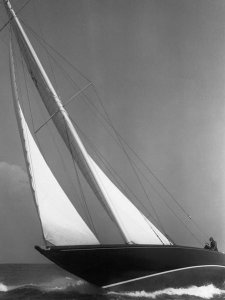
69	286
204	292
3	287
58	284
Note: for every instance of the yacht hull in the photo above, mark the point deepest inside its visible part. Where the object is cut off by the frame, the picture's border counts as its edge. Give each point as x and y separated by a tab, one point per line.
140	267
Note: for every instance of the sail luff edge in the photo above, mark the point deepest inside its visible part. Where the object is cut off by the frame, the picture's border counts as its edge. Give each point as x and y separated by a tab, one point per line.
21	131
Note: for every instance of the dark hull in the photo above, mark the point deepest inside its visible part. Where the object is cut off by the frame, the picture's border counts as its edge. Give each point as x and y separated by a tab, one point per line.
143	267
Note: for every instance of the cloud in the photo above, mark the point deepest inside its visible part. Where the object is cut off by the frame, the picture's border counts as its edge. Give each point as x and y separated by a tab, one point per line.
13	179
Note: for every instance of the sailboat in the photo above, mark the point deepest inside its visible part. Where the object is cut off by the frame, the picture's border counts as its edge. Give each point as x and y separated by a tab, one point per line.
147	258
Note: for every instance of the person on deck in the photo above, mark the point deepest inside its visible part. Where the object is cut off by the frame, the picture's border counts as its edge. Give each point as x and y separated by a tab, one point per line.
207	247
213	244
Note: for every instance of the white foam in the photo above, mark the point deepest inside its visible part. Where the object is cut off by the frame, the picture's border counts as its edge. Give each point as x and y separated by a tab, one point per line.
60	283
7	288
3	287
205	292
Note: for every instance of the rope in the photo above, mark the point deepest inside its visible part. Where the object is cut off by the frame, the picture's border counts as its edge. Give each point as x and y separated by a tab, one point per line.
80	186
64	105
140	201
55	51
134	170
42	34
17	12
119	137
29	103
109	168
113	173
157	179
28	158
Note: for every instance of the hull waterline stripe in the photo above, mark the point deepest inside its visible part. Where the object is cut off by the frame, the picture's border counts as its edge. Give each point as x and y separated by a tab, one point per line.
161	273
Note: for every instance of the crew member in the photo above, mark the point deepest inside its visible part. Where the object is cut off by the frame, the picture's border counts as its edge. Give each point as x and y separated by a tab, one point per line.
207	247
213	244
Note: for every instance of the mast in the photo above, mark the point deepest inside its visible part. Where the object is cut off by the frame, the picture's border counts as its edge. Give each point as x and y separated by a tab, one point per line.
61	118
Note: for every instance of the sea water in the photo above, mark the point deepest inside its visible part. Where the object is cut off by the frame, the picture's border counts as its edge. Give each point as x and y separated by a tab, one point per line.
40	281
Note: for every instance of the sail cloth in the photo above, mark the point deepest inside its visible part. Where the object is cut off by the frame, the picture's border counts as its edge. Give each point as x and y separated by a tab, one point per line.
61	223
132	224
136	227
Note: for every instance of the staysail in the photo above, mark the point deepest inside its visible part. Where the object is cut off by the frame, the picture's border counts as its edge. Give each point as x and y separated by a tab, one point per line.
61	223
137	228
132	224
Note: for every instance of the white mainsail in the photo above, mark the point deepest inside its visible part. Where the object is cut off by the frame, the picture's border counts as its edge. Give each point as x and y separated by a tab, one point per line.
61	223
132	224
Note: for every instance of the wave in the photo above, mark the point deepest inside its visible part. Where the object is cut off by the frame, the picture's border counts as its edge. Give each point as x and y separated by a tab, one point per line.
58	288
204	292
63	283
67	286
57	284
3	287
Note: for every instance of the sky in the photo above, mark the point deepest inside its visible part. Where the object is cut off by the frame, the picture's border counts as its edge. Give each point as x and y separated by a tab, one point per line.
159	68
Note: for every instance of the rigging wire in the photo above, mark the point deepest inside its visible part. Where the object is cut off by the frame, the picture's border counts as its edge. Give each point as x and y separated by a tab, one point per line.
33	127
65	169
3	27
120	144
64	105
2	40
152	185
110	169
42	35
108	121
107	166
79	183
28	97
76	171
17	12
55	51
134	168
146	166
29	162
31	167
114	174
